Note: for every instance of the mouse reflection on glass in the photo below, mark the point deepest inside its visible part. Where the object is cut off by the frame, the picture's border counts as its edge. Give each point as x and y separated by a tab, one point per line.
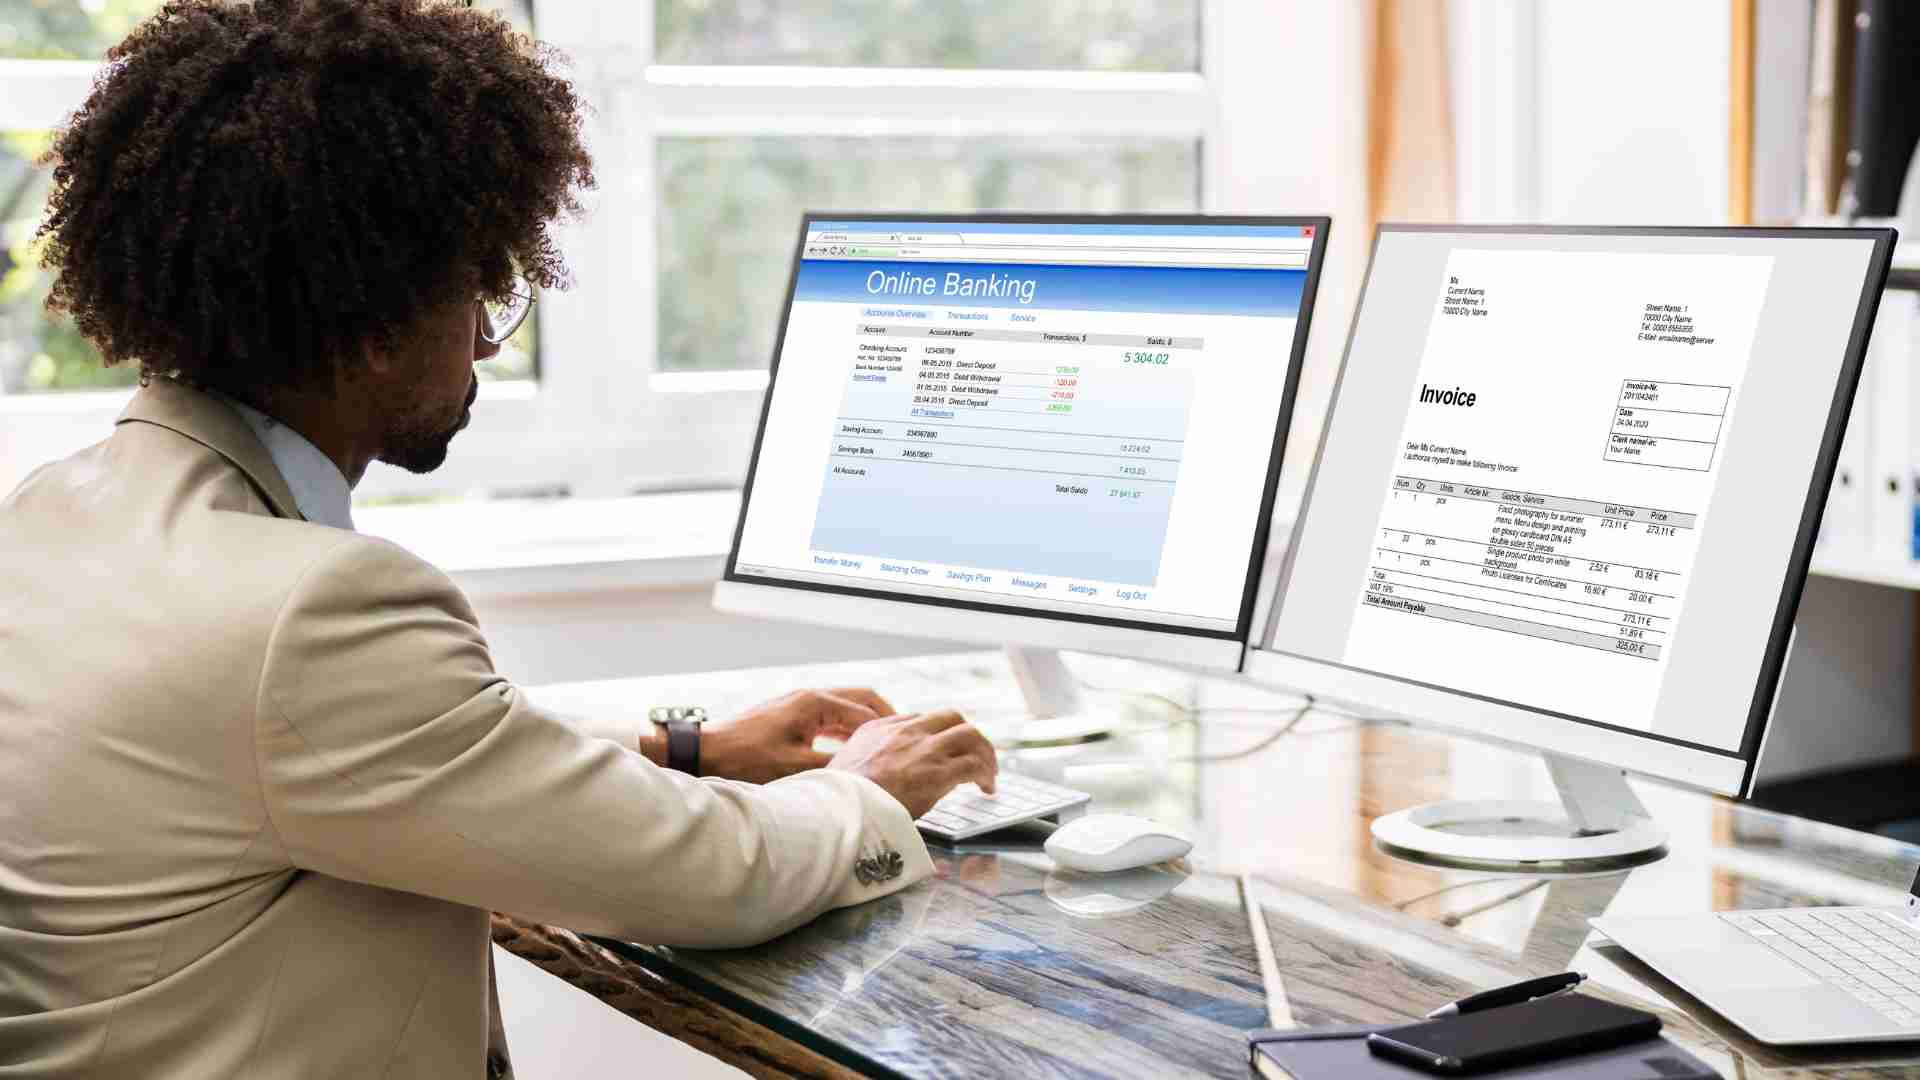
1104	896
1102	843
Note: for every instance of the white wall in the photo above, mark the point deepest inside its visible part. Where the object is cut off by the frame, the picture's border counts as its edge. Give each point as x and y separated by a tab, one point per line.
1633	106
1292	140
1576	112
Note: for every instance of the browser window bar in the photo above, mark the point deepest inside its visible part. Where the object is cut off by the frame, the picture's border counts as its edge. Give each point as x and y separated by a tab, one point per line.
991	241
1092	255
1210	243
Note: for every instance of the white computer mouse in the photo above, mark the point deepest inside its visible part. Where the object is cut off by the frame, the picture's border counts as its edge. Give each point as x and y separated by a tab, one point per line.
1098	843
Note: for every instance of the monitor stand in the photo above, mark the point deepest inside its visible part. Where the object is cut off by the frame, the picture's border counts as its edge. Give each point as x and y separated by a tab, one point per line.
1058	714
1598	820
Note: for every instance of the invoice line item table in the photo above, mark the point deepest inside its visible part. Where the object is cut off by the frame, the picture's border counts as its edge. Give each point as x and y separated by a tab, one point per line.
1559	568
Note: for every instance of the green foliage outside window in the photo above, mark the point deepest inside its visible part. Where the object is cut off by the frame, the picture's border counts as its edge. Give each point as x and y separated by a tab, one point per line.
67	29
37	350
729	211
728	206
1074	35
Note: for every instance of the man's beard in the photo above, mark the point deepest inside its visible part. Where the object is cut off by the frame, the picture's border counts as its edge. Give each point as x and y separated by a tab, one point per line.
422	449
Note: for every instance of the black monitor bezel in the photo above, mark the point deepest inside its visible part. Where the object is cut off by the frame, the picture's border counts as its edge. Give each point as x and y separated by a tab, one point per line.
1256	557
1774	660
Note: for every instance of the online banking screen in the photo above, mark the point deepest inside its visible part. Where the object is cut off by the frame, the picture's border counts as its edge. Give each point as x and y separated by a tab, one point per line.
1567	472
1063	418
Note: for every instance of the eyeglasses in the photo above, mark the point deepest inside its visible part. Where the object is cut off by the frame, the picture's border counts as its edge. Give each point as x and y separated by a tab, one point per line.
500	318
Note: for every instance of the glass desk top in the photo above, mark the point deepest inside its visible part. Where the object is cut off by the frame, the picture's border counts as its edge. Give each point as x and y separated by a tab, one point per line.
1003	966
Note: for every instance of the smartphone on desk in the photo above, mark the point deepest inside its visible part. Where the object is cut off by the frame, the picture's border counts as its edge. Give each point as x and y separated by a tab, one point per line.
1547	1028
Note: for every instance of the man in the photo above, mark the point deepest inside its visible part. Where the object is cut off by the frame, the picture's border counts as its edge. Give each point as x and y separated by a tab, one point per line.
259	782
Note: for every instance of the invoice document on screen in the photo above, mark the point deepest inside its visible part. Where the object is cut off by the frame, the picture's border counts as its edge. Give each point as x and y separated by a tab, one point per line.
1556	467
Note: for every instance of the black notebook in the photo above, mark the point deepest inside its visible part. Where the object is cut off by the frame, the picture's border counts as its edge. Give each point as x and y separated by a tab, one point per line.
1329	1053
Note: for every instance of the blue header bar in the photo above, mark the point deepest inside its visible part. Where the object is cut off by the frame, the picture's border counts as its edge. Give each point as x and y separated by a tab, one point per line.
1059	228
1175	290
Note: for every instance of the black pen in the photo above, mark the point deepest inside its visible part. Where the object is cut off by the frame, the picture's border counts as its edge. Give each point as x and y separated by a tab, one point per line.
1510	995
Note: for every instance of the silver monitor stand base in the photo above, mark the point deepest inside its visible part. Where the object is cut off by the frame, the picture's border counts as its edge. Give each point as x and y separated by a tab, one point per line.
1597	820
1058	714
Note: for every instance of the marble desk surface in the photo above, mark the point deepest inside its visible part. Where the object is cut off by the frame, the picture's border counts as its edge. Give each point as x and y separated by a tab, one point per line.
1002	966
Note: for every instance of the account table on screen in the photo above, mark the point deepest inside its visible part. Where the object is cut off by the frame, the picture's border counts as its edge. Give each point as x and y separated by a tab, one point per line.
1045	451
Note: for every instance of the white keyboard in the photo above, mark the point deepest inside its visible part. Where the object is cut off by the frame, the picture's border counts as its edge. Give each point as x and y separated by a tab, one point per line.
968	811
1871	953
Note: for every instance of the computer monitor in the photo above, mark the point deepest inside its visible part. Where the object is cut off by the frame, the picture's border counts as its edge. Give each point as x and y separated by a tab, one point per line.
1565	498
1034	431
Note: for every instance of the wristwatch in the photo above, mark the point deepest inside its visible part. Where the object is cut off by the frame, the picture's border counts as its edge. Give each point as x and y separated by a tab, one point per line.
682	726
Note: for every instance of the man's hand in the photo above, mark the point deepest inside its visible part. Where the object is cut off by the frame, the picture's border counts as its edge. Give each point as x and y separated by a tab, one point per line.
918	759
774	740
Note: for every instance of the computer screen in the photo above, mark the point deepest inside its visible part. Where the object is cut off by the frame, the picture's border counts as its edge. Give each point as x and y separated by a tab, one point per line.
1578	472
1073	417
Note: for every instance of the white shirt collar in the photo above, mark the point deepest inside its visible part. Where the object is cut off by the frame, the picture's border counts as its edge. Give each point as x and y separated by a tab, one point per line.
319	489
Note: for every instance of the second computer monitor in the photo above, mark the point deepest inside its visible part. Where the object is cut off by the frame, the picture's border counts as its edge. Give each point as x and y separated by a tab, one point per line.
1053	431
1569	485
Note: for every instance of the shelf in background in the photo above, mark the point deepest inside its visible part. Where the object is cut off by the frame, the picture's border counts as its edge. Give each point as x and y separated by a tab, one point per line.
1863	566
1905	271
1852	564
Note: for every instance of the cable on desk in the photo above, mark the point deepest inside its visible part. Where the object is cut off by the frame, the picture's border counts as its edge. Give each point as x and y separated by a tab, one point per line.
1192	712
1185	714
1330	711
1189	713
1265	741
1455	918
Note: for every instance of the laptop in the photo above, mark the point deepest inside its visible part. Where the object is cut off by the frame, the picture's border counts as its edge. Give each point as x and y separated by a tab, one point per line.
1796	975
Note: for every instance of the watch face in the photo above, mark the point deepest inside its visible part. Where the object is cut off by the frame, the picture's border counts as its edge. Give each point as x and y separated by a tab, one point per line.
667	714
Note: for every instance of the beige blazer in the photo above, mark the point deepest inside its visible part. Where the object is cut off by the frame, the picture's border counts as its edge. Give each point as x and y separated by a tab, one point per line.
260	786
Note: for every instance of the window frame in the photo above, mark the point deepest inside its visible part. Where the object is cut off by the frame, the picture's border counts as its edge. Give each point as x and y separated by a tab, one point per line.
623	427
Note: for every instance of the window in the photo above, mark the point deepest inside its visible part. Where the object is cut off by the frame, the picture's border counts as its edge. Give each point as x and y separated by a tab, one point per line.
68	29
728	209
37	352
1062	35
714	123
41	353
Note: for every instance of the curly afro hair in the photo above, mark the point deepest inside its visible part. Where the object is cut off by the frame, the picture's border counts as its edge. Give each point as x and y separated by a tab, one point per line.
253	192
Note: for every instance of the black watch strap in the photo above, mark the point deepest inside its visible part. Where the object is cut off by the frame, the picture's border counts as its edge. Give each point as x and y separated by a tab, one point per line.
682	725
683	746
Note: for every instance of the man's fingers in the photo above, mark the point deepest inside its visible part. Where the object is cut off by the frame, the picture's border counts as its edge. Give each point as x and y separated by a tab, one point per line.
971	753
813	759
962	738
989	764
981	768
934	722
865	696
841	715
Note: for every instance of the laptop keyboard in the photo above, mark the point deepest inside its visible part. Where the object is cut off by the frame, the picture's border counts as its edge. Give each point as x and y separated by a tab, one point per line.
968	811
1871	953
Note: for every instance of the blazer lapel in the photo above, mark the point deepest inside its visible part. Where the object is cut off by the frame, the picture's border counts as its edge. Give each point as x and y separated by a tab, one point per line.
207	420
